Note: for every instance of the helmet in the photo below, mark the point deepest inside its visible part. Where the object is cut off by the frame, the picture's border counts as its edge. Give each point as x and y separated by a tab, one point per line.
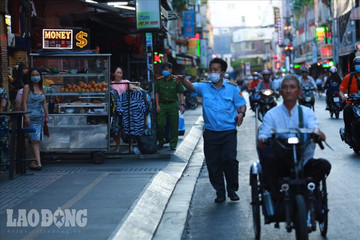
333	69
266	72
356	60
255	74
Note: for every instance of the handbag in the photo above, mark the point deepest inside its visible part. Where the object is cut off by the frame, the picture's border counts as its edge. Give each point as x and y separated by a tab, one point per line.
46	129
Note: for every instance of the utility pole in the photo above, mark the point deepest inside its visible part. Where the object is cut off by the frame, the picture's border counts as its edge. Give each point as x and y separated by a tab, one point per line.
335	40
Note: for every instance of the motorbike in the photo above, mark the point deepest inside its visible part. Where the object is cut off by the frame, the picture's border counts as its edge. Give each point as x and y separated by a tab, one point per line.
355	124
264	102
300	203
191	101
335	106
254	97
307	97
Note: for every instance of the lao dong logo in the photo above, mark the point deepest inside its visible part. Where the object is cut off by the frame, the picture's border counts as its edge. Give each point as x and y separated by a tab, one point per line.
45	218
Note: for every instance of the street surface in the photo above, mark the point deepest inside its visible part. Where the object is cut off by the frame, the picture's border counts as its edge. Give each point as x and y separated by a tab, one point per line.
123	198
233	220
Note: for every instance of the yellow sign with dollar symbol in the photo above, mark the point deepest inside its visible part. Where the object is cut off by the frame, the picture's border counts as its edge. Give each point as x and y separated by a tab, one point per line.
81	39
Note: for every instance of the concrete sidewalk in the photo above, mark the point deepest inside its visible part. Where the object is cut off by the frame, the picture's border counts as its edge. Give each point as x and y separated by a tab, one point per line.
123	198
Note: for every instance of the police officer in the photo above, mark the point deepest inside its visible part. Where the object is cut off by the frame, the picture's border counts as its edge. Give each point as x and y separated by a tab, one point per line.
166	100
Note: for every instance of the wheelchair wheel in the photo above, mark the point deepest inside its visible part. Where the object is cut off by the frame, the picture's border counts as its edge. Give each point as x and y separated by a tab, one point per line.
255	204
323	222
301	229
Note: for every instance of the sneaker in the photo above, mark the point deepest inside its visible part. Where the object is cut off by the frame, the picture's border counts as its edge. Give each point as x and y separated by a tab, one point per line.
233	196
220	197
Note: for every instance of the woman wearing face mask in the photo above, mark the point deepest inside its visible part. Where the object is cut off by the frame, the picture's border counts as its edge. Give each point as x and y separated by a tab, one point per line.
34	100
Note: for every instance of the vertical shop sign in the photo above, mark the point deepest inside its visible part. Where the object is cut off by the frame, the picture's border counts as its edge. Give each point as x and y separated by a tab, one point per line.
189	24
148	14
276	18
247	68
203	53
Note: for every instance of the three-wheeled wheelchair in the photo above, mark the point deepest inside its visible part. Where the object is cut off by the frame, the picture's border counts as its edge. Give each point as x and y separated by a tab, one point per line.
300	203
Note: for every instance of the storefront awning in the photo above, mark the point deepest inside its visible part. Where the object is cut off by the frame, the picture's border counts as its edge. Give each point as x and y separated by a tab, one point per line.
303	59
341	7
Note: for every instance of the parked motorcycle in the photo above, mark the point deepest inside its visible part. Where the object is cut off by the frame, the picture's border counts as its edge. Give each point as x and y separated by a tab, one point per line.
300	203
334	105
264	103
355	124
191	101
307	97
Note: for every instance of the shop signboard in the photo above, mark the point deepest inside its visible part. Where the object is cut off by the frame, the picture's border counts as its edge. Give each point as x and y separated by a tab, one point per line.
65	39
189	24
147	15
326	51
57	39
320	34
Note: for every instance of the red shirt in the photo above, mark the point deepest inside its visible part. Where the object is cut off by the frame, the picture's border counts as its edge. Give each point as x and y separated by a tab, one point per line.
344	86
254	83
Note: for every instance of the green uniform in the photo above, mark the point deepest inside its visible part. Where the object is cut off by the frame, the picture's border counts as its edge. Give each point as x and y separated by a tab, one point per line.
168	102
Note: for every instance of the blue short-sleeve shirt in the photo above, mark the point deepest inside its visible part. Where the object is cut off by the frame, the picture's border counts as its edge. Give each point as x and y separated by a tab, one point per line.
219	105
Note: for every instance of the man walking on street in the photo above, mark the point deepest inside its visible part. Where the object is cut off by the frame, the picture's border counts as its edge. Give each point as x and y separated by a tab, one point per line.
166	99
223	110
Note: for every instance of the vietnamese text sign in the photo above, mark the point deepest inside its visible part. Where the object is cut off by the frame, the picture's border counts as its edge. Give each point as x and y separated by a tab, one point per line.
189	24
147	14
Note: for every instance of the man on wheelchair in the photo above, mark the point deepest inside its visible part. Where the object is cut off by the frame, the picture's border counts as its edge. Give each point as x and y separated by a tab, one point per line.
286	116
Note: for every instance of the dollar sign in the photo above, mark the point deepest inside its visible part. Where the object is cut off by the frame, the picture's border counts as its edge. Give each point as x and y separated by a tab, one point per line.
81	38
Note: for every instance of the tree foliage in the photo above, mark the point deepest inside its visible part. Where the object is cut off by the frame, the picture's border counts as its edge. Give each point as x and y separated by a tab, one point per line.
179	5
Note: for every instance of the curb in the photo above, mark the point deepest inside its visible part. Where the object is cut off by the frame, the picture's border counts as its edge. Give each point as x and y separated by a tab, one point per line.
145	215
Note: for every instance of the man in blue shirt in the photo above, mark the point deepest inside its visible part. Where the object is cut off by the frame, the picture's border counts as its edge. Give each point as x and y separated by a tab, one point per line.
286	116
223	109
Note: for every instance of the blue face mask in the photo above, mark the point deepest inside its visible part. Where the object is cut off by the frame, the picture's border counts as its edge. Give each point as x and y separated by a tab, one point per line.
357	68
36	79
214	77
165	73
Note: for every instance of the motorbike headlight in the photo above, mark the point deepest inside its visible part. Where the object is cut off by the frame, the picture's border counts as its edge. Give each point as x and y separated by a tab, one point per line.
293	140
308	99
267	92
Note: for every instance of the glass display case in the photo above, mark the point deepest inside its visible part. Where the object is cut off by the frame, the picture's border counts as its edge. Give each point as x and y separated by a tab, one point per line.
77	93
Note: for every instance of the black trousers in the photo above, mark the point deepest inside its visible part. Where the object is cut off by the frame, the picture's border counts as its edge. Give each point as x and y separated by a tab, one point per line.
220	155
274	169
348	117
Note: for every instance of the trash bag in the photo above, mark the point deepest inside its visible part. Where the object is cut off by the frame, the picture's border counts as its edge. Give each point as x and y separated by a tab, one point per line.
147	144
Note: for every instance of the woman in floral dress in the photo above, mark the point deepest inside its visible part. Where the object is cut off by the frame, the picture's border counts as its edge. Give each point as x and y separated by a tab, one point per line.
34	100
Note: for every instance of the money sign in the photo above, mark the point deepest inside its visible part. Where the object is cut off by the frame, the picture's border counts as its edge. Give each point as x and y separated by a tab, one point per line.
81	38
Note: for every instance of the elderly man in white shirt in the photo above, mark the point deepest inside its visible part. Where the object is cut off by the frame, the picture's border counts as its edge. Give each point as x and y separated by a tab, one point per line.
286	116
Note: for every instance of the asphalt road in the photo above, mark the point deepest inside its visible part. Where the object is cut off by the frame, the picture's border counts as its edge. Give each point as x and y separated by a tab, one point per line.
233	220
